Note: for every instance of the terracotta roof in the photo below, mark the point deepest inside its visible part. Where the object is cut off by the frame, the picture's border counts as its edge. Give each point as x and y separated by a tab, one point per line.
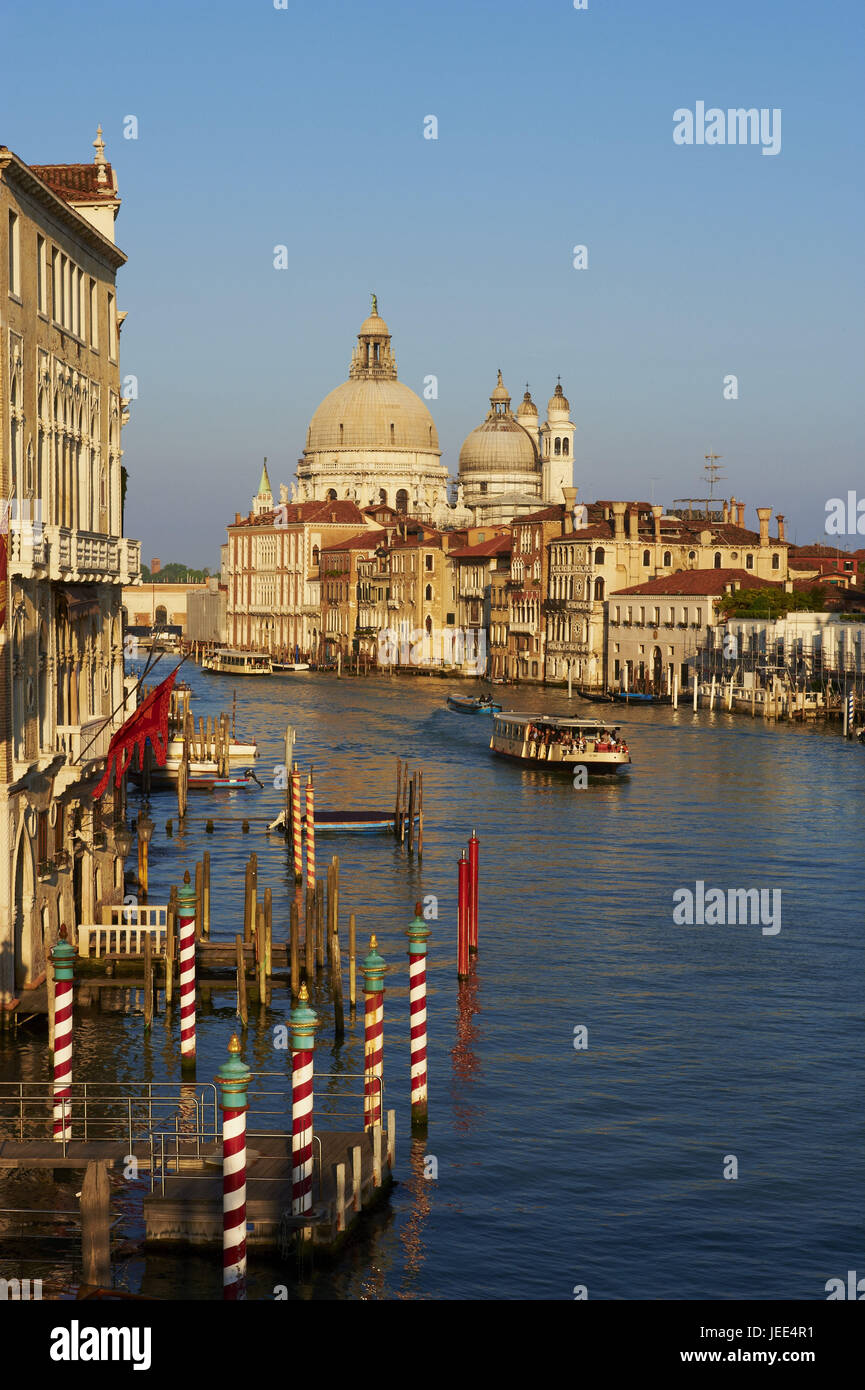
499	545
555	513
367	540
700	582
296	513
77	183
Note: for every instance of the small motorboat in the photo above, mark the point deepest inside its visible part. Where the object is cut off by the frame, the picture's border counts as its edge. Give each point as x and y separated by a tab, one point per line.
288	668
473	704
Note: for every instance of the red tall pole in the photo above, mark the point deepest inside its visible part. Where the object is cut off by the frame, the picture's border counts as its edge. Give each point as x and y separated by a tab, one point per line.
473	893
462	919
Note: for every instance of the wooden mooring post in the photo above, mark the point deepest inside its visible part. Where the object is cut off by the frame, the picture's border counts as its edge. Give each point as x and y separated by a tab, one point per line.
319	925
205	893
95	1204
242	1010
170	927
294	945
148	981
309	934
352	963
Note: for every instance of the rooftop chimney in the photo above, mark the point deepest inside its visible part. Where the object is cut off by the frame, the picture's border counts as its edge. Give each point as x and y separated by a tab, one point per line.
763	515
619	519
781	535
725	514
741	507
570	496
657	513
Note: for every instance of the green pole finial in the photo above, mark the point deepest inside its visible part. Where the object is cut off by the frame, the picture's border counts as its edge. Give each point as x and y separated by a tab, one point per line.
374	304
373	970
417	933
304	1021
233	1078
62	956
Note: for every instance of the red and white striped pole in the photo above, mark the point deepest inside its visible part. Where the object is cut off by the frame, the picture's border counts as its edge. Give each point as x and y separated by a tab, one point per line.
373	970
233	1080
186	951
417	934
62	956
463	918
296	832
473	893
303	1024
310	834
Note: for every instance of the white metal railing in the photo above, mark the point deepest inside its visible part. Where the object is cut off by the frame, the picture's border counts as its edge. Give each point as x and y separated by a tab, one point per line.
124	934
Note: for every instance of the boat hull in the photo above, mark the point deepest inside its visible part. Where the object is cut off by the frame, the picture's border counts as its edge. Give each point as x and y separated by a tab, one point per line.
595	766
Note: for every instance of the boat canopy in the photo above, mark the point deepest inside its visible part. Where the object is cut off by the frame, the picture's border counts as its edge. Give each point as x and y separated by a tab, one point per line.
554	721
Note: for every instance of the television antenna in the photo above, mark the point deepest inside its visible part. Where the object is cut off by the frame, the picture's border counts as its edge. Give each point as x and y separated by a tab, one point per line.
713	472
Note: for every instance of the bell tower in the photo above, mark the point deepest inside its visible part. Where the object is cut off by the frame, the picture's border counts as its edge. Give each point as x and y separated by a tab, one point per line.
557	447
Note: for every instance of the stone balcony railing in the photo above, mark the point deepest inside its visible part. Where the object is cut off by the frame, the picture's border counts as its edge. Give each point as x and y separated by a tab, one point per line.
83	742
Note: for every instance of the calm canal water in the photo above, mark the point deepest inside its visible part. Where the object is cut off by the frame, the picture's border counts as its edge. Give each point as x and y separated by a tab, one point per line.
556	1167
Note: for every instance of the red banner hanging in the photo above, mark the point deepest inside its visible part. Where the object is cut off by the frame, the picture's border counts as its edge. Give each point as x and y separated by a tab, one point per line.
150	721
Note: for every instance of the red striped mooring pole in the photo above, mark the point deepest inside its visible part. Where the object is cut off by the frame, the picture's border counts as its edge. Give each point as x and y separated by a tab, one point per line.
463	918
417	934
303	1024
62	956
473	893
186	951
233	1080
310	833
373	970
296	832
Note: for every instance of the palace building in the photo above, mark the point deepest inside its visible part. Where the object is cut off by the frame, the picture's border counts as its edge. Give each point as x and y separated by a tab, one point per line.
63	557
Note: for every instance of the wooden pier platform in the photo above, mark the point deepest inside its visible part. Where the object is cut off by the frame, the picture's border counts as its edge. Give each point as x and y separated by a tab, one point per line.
189	1212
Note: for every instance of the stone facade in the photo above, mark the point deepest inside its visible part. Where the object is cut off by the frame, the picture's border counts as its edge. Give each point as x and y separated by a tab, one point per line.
61	641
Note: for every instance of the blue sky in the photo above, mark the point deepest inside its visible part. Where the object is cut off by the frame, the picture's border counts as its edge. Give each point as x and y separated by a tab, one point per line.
304	127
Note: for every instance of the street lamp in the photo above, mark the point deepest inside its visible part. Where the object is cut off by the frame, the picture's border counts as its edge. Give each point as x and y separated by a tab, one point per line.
145	834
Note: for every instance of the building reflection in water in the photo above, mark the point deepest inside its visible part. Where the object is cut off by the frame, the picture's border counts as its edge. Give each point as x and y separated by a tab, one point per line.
419	1183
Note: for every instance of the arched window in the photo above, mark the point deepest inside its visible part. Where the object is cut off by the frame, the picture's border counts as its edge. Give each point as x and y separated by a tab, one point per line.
647	559
599	587
331	494
391	432
776	562
668	558
315	554
566	443
749	562
428	593
341	433
161	616
717	559
382	497
558	448
402	501
599	555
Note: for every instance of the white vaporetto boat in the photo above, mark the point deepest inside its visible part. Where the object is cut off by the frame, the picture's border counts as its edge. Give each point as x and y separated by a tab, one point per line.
227	662
558	744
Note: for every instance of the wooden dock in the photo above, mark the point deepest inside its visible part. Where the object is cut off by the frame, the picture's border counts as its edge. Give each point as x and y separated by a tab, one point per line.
350	1177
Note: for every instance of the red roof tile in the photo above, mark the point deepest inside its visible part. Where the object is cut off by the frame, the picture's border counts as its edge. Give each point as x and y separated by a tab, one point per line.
499	545
700	582
77	183
366	540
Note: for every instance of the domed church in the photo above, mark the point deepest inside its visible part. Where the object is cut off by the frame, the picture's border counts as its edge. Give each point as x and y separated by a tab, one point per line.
372	440
510	464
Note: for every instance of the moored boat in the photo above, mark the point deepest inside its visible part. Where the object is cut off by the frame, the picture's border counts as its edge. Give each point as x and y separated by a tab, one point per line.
226	661
560	744
288	668
473	704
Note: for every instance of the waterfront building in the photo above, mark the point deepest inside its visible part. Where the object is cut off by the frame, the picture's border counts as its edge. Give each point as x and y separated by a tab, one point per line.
510	462
655	630
157	605
206	613
61	672
475	565
373	440
273	600
611	546
527	585
344	631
